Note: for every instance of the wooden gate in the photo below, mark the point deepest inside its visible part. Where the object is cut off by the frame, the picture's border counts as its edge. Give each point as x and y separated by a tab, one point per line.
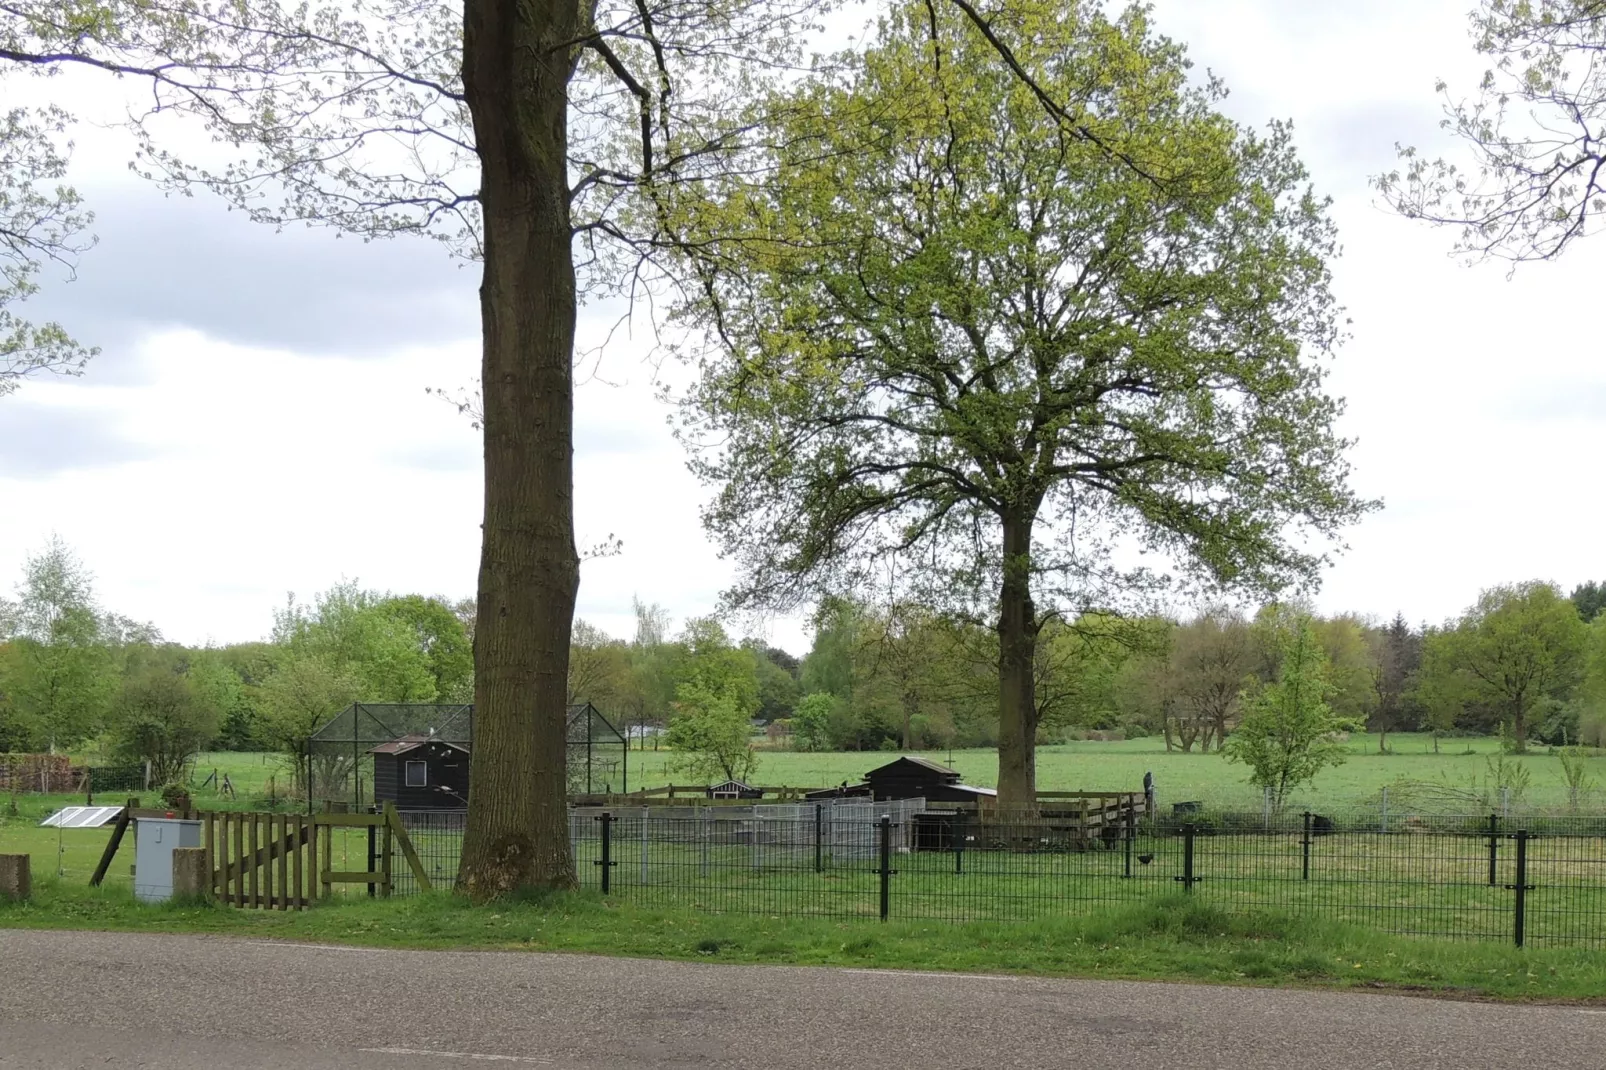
286	861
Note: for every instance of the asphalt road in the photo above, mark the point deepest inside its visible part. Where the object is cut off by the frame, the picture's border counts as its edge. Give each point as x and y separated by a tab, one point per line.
71	1000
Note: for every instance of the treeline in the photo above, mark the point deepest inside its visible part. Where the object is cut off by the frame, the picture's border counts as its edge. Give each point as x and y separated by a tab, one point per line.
74	677
1524	661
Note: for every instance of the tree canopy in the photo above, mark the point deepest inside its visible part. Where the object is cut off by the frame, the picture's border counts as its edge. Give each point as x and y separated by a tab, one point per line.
1535	130
959	354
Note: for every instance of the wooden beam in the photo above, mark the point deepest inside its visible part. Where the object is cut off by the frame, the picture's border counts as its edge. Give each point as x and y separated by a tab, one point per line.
112	844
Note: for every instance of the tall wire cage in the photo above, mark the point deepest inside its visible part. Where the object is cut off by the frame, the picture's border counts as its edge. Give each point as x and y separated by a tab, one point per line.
337	767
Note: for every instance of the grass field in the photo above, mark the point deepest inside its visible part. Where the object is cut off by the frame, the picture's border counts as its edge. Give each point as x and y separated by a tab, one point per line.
1076	766
1097	766
1169	938
1117	766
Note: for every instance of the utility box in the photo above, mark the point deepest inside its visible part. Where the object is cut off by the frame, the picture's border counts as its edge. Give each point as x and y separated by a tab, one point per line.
154	840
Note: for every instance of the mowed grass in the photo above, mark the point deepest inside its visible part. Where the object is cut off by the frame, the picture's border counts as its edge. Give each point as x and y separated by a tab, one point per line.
1210	778
1169	937
259	779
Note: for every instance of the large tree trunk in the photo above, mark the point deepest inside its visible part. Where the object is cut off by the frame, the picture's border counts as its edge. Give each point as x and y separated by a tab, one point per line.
1017	690
516	67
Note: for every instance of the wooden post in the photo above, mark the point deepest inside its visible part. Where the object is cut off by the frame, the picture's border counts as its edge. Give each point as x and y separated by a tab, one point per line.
191	875
206	845
285	845
296	879
112	844
384	860
16	883
328	862
239	860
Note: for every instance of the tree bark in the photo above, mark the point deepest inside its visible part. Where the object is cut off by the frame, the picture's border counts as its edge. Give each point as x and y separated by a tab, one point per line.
517	61
1017	691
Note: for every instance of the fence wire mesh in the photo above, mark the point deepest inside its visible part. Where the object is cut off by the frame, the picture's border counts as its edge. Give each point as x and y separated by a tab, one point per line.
1475	878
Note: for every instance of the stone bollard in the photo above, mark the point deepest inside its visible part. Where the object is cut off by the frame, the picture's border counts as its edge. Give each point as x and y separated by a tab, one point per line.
190	876
15	882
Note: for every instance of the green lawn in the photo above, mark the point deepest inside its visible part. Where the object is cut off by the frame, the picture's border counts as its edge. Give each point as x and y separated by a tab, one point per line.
1168	937
1095	766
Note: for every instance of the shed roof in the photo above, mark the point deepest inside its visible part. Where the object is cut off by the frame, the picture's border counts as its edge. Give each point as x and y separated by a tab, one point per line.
908	764
410	743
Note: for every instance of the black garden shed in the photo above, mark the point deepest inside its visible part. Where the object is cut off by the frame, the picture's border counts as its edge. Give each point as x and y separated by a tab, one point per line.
421	773
912	778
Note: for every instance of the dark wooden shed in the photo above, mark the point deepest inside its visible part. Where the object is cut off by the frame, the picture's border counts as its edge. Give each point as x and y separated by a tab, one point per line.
421	773
912	778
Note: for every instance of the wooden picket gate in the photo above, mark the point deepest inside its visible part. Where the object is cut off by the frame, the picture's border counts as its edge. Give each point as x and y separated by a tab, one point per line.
286	861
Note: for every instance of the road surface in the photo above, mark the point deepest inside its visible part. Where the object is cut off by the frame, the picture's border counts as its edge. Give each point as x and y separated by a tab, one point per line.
71	1000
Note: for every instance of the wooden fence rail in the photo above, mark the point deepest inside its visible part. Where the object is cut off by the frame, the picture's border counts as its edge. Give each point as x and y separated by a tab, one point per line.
286	861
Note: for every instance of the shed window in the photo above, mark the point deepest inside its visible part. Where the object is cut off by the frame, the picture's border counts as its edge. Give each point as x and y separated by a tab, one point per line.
417	774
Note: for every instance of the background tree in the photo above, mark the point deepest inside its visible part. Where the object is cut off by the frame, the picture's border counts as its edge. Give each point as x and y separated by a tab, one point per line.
959	348
1590	599
62	671
375	640
1212	657
162	716
297	700
716	696
1536	131
1516	646
1396	661
811	721
1288	732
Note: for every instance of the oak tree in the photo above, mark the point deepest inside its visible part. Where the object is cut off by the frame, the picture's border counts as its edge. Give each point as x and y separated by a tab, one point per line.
957	351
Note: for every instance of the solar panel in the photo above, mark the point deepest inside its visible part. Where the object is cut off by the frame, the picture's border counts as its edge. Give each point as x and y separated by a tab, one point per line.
81	817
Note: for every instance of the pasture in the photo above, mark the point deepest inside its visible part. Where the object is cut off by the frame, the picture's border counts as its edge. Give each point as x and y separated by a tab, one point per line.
260	780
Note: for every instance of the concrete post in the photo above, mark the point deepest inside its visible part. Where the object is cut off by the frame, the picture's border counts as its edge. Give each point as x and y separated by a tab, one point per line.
190	878
16	883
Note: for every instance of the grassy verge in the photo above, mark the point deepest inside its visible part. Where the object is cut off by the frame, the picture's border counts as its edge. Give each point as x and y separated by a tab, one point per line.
1172	938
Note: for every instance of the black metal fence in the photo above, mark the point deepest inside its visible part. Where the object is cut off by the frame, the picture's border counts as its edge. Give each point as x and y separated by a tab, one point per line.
1541	881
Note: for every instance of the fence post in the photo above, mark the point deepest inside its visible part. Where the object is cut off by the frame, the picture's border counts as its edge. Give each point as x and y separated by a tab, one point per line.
1521	887
707	815
373	855
957	830
1187	877
886	866
819	827
1304	849
606	861
1494	846
1383	826
646	813
1131	830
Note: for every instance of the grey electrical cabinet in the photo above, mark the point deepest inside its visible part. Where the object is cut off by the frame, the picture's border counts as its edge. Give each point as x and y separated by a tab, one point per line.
154	840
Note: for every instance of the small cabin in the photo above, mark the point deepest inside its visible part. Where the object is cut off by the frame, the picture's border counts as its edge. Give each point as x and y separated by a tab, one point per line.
421	773
912	778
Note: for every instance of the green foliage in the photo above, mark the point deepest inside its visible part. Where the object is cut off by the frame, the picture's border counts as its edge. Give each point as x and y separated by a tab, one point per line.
162	715
41	220
1535	130
1589	599
811	721
377	641
1289	733
716	697
1518	645
959	351
1575	772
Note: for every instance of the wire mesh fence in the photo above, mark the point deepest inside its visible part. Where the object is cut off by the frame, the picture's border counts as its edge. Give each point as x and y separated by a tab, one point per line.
1476	877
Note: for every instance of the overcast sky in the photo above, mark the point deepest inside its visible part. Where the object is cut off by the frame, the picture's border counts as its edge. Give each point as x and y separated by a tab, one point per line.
257	422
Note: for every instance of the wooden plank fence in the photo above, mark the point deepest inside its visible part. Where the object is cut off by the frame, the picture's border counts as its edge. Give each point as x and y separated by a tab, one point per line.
268	861
286	861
